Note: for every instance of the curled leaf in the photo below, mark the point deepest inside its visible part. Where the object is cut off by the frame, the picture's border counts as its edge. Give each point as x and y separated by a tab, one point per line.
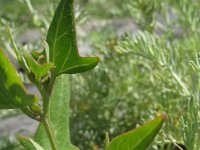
39	70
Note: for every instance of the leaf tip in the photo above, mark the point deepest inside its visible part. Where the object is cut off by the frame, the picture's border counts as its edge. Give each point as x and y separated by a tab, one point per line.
163	116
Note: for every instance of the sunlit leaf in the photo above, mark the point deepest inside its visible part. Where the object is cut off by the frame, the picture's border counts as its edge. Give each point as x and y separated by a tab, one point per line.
139	138
63	51
12	91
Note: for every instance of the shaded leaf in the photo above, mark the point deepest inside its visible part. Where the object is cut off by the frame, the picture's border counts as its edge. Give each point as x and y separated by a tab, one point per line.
29	144
61	37
138	139
12	91
57	117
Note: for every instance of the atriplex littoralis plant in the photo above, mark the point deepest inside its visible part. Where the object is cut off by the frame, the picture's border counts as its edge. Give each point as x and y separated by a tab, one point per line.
48	71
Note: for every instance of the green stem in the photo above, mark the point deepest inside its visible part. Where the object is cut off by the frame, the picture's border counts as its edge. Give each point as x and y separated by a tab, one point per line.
181	83
45	96
50	134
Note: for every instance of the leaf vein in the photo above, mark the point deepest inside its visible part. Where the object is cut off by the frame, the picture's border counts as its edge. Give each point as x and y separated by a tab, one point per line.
59	21
61	36
82	65
65	61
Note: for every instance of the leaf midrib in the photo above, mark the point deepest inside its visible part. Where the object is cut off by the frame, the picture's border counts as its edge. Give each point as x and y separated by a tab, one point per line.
57	28
139	142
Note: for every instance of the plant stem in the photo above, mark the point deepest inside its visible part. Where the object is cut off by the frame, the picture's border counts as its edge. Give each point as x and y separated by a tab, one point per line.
50	134
181	83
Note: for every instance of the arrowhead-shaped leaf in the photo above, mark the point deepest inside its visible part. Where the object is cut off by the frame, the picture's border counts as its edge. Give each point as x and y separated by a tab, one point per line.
12	91
61	37
58	117
29	144
139	138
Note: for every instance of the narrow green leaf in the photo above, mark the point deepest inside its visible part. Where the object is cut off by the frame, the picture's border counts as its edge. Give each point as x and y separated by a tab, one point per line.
57	117
63	51
138	139
39	70
12	91
17	52
29	144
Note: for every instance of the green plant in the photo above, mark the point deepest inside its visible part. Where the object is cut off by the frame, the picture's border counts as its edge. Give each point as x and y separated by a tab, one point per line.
48	70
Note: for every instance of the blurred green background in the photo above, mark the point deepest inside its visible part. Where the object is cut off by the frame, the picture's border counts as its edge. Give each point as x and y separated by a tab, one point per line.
149	64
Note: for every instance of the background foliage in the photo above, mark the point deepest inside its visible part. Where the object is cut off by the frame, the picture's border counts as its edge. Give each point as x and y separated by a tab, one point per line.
148	67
